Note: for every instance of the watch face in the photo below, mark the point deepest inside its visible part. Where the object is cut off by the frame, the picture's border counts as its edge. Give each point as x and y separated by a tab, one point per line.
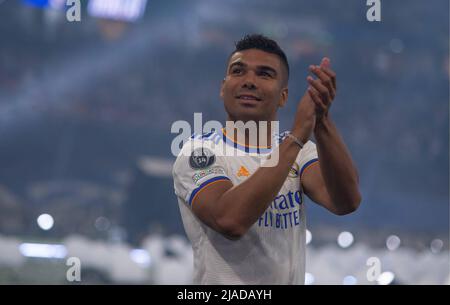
201	158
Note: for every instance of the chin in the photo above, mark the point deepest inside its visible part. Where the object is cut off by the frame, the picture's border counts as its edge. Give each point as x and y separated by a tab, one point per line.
245	114
248	115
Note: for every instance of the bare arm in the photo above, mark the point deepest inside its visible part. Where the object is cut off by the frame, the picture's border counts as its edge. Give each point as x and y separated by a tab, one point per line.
334	183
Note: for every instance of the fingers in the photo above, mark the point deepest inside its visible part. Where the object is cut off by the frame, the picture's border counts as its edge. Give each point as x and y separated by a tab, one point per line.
315	96
325	62
322	90
325	78
331	74
325	65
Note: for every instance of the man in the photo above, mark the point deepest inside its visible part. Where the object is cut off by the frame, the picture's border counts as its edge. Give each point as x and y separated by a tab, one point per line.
245	221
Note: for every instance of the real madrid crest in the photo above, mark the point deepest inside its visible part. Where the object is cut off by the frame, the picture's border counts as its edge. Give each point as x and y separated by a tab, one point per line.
294	171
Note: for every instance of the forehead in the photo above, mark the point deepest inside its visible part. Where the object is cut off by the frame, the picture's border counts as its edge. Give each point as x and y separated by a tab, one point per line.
255	57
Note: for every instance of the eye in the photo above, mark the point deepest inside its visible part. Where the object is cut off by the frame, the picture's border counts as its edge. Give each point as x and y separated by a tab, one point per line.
265	74
236	70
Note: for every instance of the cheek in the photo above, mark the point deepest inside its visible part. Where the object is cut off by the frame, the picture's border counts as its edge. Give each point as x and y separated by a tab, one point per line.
228	91
225	89
274	94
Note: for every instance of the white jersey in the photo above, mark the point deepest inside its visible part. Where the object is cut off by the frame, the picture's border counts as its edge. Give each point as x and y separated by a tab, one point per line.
272	251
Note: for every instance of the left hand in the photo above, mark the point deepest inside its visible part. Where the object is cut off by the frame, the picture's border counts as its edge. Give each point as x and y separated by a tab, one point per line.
323	89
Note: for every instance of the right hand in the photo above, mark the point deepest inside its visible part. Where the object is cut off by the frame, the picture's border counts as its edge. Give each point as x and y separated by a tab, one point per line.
305	119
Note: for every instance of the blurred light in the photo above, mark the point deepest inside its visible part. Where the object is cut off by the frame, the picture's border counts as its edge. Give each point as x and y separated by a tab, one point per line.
396	45
45	221
155	166
349	280
436	246
128	10
37	3
57	4
309	279
393	242
345	239
308	237
102	223
140	257
42	250
386	278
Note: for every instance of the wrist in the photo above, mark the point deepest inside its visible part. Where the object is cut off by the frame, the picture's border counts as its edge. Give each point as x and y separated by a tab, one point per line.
300	135
322	124
296	140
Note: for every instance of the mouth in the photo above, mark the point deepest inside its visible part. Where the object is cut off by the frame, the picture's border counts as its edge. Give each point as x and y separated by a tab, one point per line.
248	100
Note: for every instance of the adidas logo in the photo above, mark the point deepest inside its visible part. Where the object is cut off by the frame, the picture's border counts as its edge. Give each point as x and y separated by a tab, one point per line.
243	172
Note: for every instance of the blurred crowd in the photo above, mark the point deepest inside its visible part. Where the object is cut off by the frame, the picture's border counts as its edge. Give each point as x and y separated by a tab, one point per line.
81	103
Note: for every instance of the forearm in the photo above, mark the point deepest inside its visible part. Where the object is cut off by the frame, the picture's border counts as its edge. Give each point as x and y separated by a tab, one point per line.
244	203
338	170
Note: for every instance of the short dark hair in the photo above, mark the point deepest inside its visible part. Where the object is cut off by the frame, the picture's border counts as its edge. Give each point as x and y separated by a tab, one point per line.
261	42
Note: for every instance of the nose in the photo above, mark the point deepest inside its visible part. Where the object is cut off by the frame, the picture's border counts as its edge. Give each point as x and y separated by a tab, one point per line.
249	82
249	85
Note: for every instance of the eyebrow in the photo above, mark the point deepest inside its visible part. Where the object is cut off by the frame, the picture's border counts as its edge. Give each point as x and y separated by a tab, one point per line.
266	68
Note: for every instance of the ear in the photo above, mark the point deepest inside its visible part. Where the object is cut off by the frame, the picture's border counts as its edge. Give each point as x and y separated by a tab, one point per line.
221	88
283	97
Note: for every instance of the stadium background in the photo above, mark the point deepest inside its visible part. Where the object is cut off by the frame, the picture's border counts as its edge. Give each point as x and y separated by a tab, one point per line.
86	109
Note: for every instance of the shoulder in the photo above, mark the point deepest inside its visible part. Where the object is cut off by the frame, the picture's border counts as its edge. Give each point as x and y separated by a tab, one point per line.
210	141
211	137
199	150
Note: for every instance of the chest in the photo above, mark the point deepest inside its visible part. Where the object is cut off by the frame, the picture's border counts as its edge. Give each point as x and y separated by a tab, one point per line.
242	168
